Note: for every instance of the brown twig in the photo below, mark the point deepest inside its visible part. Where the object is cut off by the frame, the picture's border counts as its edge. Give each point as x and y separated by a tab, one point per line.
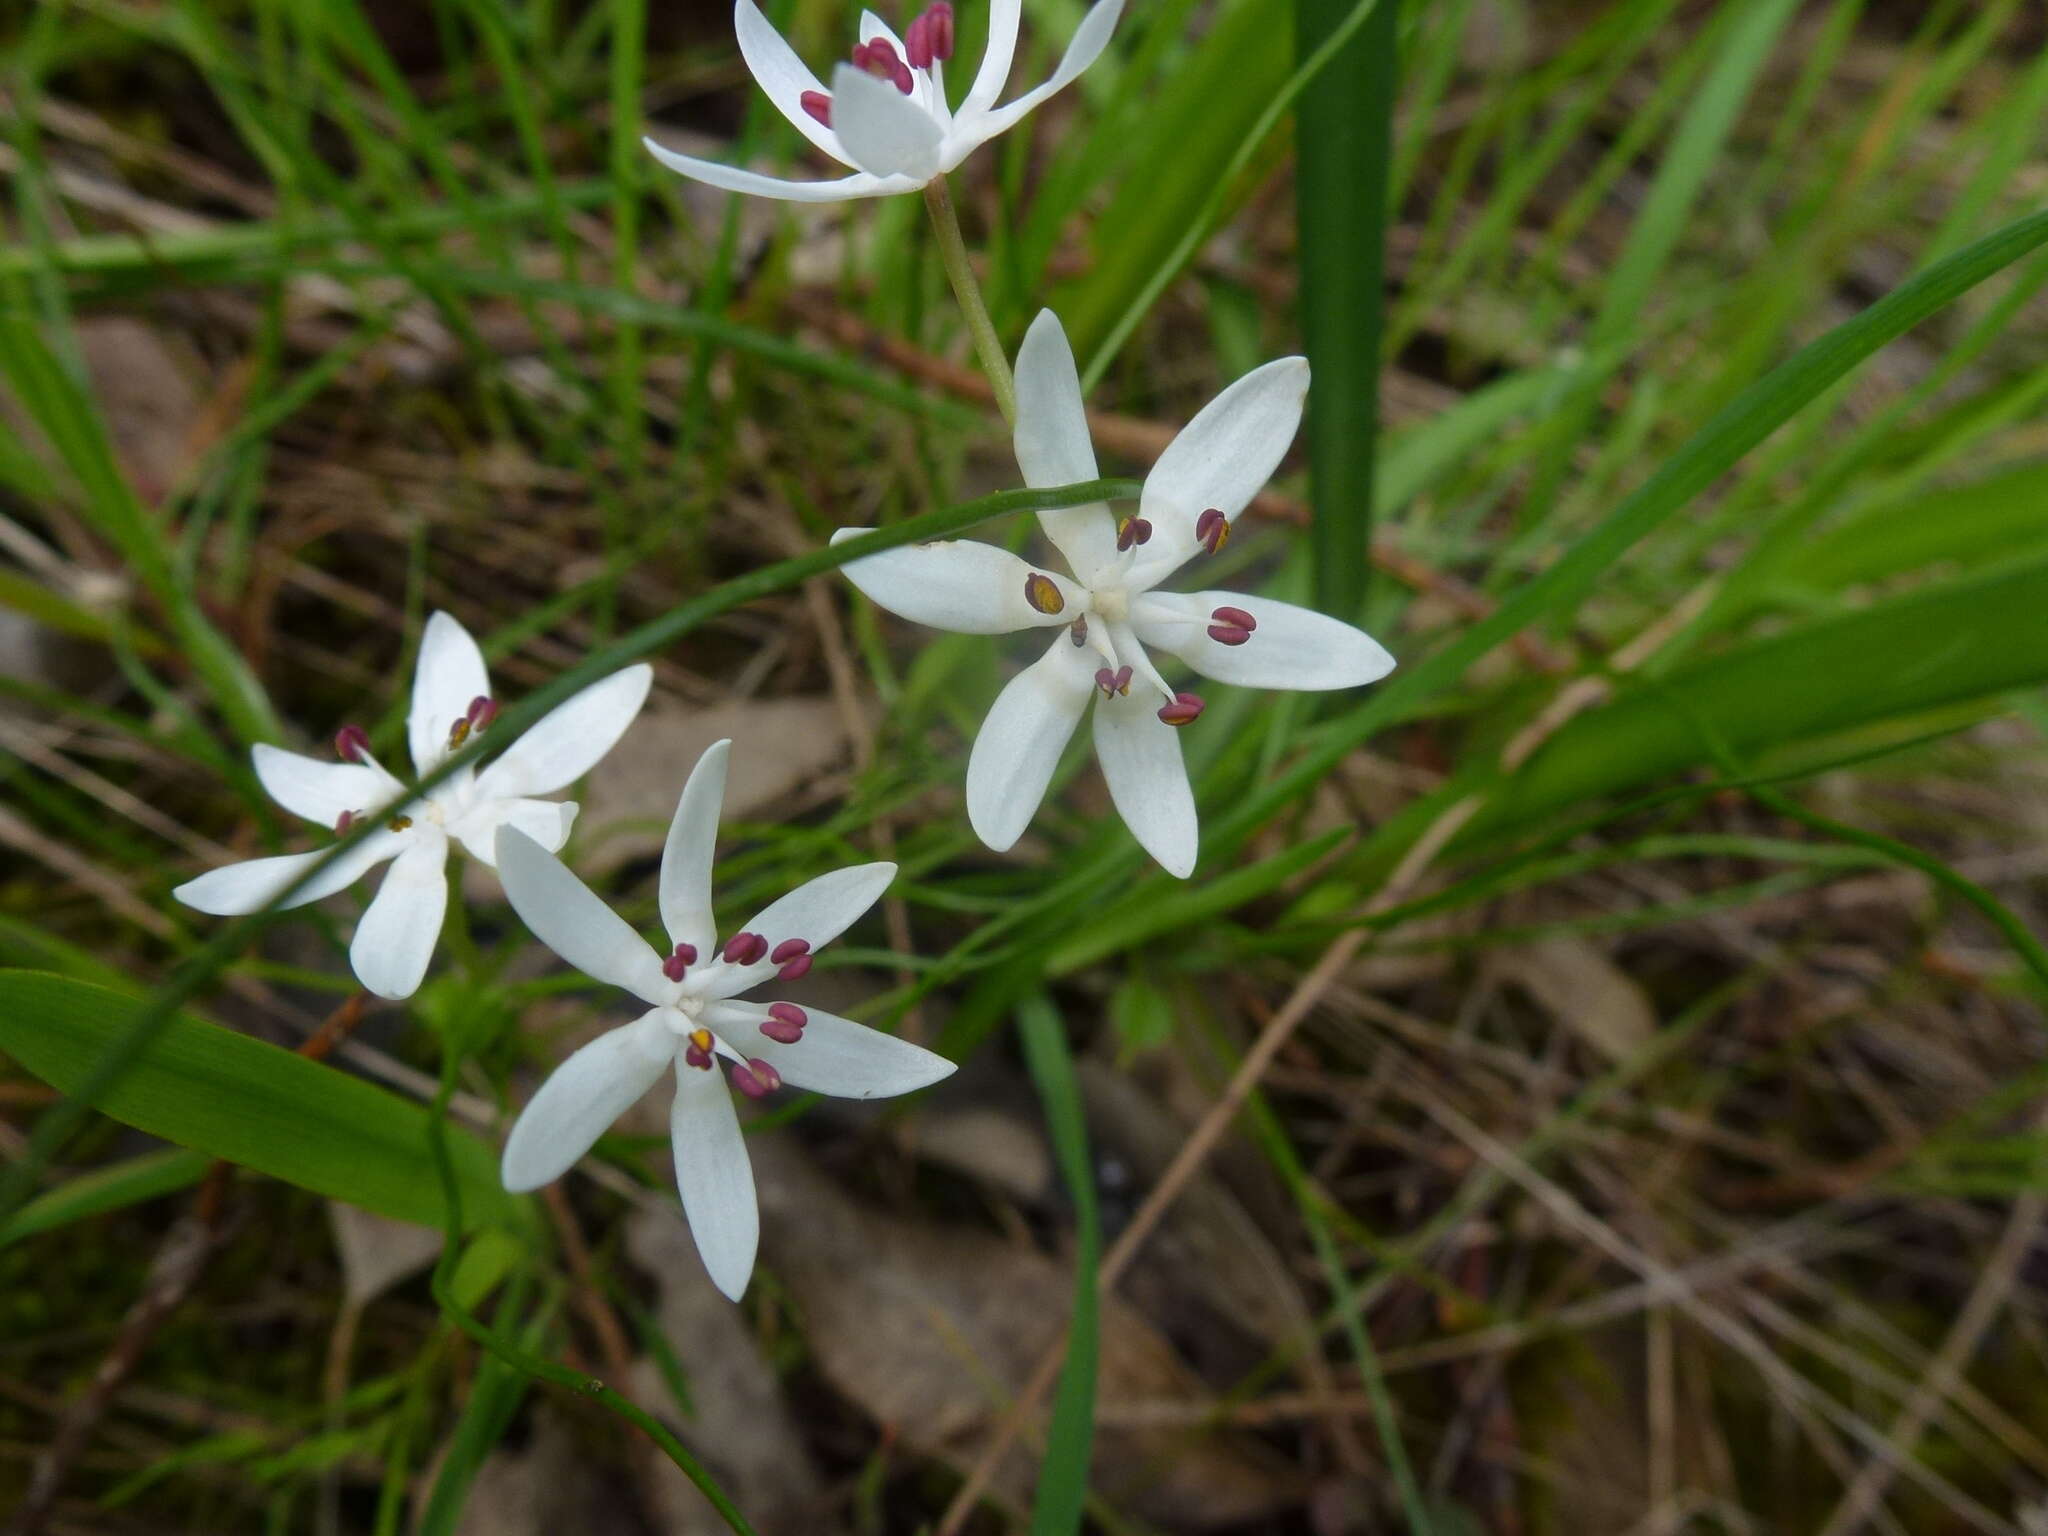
180	1261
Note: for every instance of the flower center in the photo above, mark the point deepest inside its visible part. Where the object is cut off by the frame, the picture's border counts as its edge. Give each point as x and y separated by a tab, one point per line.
1113	603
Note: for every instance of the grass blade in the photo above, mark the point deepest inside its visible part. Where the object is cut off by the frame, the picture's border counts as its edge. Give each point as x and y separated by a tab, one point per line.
1063	1478
1344	141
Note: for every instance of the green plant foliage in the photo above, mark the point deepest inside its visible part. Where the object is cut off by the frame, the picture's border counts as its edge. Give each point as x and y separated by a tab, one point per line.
229	1096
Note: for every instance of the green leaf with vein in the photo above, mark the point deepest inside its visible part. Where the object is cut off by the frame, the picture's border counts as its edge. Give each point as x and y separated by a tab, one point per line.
230	1096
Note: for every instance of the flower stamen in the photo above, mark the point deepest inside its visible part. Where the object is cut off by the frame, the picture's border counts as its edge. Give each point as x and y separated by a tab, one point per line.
1132	532
1111	683
818	104
757	1079
1079	633
1185	709
930	36
344	821
400	823
482	711
785	1023
745	948
794	956
679	962
1231	626
879	59
699	1053
1043	593
352	744
1212	530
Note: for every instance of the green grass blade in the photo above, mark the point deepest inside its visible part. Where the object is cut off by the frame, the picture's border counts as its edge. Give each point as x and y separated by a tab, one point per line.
1063	1478
233	1097
1343	132
106	1189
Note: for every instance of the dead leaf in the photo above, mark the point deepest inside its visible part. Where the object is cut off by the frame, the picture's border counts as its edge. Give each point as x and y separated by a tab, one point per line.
147	395
377	1252
777	744
741	1426
1574	982
928	1329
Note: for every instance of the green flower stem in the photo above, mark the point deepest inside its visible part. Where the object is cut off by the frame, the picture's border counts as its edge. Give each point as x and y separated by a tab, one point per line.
953	254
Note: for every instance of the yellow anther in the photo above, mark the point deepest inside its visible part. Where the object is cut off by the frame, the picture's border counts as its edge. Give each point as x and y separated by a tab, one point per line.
701	1038
1041	593
458	733
399	823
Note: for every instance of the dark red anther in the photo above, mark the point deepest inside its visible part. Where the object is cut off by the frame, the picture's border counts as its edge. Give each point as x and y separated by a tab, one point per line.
785	1022
745	948
879	59
687	953
1079	633
930	37
756	1079
1131	532
352	744
789	949
792	969
343	822
482	711
1212	530
818	104
674	967
1237	618
1186	707
697	1056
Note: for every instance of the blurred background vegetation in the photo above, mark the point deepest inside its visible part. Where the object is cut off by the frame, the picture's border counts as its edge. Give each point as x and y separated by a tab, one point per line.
1643	1129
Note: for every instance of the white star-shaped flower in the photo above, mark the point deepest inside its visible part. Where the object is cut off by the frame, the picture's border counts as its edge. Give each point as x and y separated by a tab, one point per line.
1111	611
690	987
451	702
886	116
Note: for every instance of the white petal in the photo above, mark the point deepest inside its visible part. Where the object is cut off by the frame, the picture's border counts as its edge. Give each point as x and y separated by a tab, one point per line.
686	858
252	885
835	1056
568	740
448	676
395	939
818	910
1291	647
1053	447
883	131
581	1099
994	73
547	822
1221	459
732	179
715	1177
959	584
319	791
1090	38
567	917
1141	760
781	74
872	27
1020	742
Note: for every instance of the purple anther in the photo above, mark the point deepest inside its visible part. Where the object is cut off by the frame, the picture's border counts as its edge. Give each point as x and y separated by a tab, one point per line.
1186	707
782	1030
745	948
343	822
1131	532
789	949
930	36
482	711
792	969
818	104
687	953
1212	530
765	1072
1231	626
697	1056
879	59
748	1082
674	967
1105	680
1079	633
1225	634
789	1013
352	744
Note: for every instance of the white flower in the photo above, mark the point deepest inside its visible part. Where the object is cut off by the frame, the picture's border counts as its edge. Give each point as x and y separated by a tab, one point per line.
1110	612
690	985
451	702
887	116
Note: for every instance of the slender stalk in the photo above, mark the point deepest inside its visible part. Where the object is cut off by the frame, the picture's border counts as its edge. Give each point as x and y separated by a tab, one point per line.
953	253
